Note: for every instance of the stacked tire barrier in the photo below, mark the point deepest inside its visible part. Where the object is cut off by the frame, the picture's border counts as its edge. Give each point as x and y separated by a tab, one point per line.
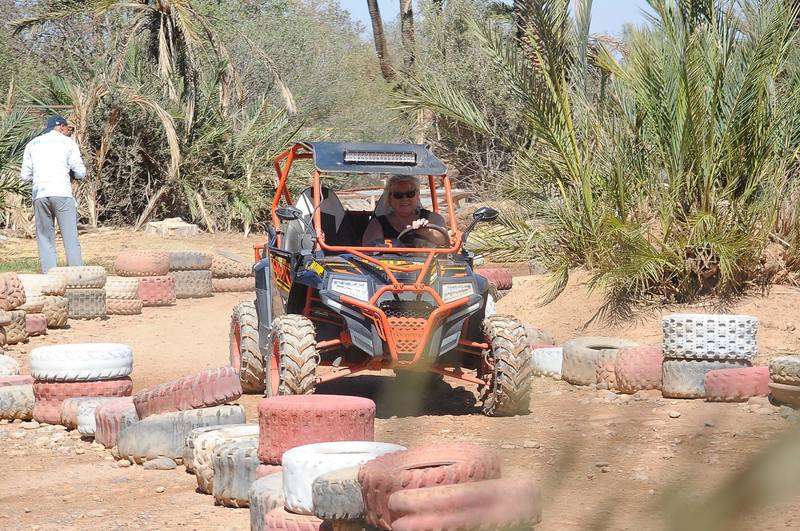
85	290
16	392
784	372
12	319
231	275
191	274
590	360
156	287
695	344
38	290
122	296
80	370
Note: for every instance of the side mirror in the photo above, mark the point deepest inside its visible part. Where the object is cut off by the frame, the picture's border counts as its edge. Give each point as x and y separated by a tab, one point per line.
288	213
485	214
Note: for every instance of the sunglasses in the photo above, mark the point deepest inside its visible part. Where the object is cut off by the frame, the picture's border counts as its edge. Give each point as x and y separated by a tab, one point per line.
401	195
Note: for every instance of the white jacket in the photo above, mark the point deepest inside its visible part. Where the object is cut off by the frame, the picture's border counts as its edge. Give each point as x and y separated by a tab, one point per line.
47	162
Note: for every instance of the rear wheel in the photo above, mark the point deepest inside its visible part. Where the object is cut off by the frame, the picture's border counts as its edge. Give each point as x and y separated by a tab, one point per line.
245	355
295	357
507	368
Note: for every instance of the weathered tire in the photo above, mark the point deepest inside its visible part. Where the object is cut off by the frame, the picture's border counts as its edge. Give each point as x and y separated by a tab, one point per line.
294	420
508	390
686	378
157	290
337	495
122	287
426	466
785	394
81	362
281	519
191	443
222	267
12	293
50	395
165	435
547	361
303	464
482	505
293	338
265	470
5	317
736	385
537	336
234	464
87	425
212	387
111	417
235	284
638	369
69	411
710	336
189	261
33	303
16	402
245	356
16	331
86	303
41	285
8	366
583	355
56	310
499	277
207	442
785	369
265	494
192	284
35	324
124	306
80	277
16	379
142	263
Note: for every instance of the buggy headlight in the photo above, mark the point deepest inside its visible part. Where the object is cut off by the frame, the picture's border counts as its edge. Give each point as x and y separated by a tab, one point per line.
357	289
458	290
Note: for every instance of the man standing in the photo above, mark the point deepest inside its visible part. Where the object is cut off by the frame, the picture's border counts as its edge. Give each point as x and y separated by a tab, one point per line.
49	161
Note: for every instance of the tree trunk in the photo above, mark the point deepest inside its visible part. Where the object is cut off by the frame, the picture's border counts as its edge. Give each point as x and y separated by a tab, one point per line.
407	35
380	42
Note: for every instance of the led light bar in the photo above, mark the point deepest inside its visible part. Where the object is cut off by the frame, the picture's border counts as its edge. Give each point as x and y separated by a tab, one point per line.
396	158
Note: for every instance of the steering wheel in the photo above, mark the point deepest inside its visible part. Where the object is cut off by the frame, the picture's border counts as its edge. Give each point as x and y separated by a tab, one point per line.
437	228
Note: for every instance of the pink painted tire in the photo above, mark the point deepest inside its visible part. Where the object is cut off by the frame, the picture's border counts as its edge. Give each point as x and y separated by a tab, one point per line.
234	284
36	324
157	291
111	417
212	387
736	385
281	519
499	277
638	369
50	395
295	420
17	379
141	263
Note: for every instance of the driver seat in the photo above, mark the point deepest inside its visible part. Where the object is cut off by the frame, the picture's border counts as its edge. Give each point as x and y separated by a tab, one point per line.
336	224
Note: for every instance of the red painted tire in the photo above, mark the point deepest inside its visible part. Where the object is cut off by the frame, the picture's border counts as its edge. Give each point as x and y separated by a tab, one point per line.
499	277
212	387
17	379
491	504
50	395
638	368
111	417
426	466
266	470
295	420
36	324
12	293
142	264
280	518
157	291
235	284
736	385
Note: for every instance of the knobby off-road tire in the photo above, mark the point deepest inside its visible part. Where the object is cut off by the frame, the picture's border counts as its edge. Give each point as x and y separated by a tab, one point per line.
12	293
508	389
265	495
295	339
245	355
337	495
56	309
16	331
205	444
16	402
234	464
192	284
86	303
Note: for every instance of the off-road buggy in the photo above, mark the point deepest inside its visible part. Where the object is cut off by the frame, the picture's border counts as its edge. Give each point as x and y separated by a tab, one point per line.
323	299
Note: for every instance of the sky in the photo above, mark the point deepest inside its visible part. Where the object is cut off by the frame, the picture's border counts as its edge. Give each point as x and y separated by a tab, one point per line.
608	16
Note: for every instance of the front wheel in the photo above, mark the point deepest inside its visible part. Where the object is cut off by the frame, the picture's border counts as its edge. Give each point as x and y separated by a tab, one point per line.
293	367
507	368
245	355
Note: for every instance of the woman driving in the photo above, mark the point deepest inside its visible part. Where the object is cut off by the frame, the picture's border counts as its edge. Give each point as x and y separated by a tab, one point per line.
401	195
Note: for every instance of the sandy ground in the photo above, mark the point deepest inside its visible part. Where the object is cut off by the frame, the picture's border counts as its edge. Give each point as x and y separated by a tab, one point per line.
603	462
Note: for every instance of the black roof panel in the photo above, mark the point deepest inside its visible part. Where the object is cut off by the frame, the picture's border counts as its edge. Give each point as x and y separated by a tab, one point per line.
329	157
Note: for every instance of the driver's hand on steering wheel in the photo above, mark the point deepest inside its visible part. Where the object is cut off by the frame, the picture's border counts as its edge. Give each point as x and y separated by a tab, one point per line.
419	223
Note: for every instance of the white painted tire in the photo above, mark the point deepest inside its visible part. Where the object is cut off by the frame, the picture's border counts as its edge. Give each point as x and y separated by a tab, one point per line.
710	336
547	361
235	464
265	495
122	287
8	366
16	402
42	285
303	464
204	445
81	277
81	362
86	418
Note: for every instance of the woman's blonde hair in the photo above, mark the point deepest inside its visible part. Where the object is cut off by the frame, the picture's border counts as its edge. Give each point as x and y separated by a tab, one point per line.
393	180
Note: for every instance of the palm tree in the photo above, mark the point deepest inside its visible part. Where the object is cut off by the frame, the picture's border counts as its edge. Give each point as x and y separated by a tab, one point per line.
387	70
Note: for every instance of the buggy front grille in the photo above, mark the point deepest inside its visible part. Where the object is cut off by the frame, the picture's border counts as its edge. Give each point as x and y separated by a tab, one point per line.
407	320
